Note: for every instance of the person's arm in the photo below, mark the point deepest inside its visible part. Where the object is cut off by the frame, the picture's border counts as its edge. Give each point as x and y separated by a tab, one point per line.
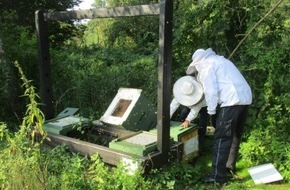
194	110
208	80
173	106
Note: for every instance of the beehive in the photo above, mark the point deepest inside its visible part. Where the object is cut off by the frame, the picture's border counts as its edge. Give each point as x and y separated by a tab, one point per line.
63	125
189	137
131	111
142	143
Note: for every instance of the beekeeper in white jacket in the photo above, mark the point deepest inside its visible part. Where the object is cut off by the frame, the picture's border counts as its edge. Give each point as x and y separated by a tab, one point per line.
187	92
226	89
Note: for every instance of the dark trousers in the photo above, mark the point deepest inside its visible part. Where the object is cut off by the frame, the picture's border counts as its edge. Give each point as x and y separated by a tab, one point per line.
228	132
203	118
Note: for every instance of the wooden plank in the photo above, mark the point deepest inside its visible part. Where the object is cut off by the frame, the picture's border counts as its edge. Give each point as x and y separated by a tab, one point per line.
111	156
108	155
137	10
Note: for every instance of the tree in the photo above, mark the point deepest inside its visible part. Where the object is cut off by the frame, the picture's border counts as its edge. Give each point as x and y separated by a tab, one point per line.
17	33
24	11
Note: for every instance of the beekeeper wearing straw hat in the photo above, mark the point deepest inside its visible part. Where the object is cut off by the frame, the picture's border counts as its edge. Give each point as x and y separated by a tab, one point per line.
224	87
187	92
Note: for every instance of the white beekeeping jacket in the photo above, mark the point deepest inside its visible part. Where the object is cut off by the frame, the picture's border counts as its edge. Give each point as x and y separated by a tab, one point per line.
194	110
222	82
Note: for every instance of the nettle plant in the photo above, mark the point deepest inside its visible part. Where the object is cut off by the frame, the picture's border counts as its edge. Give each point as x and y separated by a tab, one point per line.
20	167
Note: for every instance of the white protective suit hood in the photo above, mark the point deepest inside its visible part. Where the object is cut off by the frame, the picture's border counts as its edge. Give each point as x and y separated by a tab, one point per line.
199	56
222	82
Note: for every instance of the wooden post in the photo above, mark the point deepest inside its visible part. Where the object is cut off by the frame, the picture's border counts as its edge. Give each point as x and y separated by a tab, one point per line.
44	65
164	77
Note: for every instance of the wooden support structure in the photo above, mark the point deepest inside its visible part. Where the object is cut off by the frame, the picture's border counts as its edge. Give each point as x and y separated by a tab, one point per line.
44	65
110	156
164	77
165	12
140	10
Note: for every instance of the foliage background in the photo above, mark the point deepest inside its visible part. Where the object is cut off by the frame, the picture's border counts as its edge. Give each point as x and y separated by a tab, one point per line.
90	62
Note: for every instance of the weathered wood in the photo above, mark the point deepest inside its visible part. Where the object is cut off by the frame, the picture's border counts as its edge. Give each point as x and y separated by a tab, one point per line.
165	11
108	155
44	65
164	76
104	12
111	156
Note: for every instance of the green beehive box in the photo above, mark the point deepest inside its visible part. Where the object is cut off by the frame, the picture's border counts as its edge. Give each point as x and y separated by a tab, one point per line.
141	144
63	125
131	110
189	137
179	133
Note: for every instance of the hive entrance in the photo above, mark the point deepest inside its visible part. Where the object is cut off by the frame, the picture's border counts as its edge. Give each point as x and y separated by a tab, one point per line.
121	107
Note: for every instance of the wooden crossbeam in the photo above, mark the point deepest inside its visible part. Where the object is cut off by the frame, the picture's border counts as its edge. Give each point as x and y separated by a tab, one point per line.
138	10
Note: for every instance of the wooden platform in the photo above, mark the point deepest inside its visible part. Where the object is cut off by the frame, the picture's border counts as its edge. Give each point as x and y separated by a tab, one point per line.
114	157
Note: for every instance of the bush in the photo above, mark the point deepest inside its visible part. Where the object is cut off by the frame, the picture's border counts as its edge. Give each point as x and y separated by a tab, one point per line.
267	70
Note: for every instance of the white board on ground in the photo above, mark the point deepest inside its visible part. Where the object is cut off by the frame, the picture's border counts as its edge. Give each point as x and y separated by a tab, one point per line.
265	173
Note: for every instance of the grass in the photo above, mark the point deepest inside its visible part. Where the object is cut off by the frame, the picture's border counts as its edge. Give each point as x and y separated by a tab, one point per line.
241	180
175	177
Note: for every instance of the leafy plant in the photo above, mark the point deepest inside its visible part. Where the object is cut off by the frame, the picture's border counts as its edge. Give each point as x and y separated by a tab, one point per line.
20	167
268	72
172	176
100	177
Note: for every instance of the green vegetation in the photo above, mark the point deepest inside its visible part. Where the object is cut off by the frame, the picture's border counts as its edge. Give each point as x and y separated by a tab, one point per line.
90	62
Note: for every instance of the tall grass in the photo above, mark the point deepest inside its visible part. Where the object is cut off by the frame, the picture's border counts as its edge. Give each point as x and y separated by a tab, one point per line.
20	154
27	163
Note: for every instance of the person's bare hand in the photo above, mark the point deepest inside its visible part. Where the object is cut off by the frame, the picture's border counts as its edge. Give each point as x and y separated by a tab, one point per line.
185	124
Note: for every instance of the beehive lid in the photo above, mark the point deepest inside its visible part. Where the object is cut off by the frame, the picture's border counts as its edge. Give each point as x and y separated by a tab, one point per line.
141	143
67	112
143	139
176	130
121	106
130	110
63	125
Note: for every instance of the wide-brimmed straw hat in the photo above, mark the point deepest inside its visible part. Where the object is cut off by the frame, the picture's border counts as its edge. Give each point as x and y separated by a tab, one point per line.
187	91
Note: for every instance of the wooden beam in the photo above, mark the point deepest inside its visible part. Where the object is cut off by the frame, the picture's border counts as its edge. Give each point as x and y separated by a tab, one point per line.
137	10
111	156
108	155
